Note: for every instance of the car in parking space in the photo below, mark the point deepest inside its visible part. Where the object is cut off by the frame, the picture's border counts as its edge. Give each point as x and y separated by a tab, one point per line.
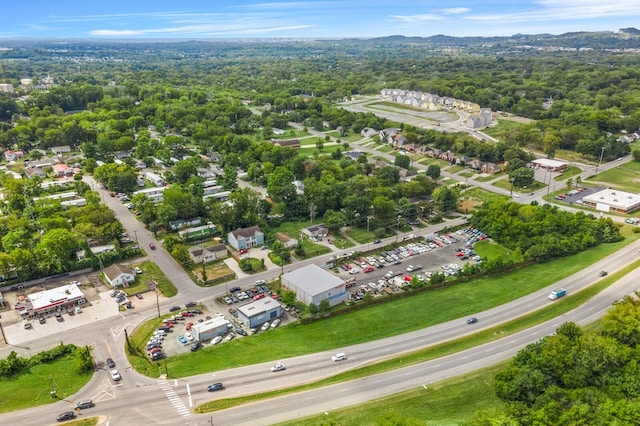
85	403
115	375
195	346
182	339
260	282
215	387
265	326
27	325
339	357
190	304
216	340
67	415
157	355
472	320
196	311
174	308
278	367
188	336
110	363
240	331
139	296
230	337
188	326
275	323
186	314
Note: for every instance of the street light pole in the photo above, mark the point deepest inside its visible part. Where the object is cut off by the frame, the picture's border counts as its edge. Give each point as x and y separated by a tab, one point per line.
157	299
398	227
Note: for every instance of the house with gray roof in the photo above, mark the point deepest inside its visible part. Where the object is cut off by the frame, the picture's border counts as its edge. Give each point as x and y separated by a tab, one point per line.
245	238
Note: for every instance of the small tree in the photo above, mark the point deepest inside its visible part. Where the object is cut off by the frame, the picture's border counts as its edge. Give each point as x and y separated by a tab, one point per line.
313	308
325	306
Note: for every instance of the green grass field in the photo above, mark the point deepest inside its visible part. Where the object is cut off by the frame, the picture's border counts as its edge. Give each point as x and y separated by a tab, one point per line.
32	389
360	234
150	271
625	177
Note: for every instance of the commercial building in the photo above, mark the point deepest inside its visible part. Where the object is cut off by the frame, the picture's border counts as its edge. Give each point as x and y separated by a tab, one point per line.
258	312
47	302
209	329
313	284
612	200
549	164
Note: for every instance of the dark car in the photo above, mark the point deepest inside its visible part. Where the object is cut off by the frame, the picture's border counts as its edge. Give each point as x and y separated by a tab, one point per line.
85	403
603	273
195	346
174	308
190	304
139	296
472	320
196	311
241	331
152	246
157	355
234	289
110	363
42	320
67	415
376	241
215	387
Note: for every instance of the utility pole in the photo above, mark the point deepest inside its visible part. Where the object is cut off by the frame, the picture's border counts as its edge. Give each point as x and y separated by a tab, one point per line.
53	391
155	288
599	161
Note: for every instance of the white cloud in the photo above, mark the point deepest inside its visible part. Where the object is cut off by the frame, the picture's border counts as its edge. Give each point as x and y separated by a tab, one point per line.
416	18
457	10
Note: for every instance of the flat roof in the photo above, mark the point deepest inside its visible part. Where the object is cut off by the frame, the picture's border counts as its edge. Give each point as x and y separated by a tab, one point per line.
257	307
209	324
312	279
58	295
614	198
547	162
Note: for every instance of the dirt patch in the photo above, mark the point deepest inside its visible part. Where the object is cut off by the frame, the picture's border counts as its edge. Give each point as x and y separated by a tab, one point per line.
467	204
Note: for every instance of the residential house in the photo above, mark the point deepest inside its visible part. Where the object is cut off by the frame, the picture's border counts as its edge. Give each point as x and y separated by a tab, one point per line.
244	238
399	141
447	156
13	155
58	150
208	254
386	135
314	231
289	243
290	143
369	132
406	174
119	275
61	170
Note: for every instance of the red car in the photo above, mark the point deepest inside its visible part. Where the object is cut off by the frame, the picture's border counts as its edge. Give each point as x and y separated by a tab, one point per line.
169	324
188	326
187	314
459	254
258	296
152	246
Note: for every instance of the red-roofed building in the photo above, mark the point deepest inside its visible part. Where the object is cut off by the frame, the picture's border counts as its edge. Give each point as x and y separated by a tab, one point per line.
62	170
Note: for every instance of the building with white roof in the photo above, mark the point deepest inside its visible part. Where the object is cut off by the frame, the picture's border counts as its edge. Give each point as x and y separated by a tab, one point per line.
313	284
612	200
47	302
549	164
259	311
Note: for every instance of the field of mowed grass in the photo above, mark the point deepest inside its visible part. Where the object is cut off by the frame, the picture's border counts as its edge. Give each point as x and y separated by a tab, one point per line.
457	301
450	402
32	389
625	177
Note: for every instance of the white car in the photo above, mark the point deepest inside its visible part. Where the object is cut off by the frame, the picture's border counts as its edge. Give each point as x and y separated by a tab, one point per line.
229	337
188	336
137	270
275	323
278	367
339	357
217	340
354	271
115	375
265	326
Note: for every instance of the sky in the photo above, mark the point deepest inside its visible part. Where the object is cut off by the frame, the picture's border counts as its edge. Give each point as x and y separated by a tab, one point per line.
205	19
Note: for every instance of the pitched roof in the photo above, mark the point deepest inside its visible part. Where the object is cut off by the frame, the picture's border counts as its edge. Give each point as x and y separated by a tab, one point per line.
115	270
246	232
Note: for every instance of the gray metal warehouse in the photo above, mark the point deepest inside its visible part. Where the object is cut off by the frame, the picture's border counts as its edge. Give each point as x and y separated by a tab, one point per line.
257	313
312	284
210	328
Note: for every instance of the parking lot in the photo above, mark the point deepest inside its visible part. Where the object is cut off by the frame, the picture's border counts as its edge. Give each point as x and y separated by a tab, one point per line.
390	270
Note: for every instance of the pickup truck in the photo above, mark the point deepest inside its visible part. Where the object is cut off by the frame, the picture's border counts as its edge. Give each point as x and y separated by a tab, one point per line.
557	294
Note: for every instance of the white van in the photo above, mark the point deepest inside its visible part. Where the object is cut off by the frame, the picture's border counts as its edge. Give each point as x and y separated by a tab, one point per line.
339	357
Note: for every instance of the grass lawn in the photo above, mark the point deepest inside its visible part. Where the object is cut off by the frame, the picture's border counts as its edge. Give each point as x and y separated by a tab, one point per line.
569	172
293	229
385	148
340	242
326	150
214	270
456	169
453	302
150	271
360	234
489	250
32	389
625	177
449	402
486	178
483	195
312	249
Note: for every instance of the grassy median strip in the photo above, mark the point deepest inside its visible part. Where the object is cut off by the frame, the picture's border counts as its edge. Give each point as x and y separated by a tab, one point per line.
554	310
